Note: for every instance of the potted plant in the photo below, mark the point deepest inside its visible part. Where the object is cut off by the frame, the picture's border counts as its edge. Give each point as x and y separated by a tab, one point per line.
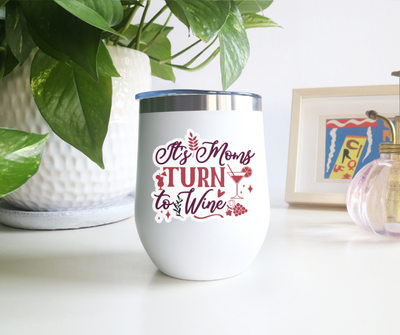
69	50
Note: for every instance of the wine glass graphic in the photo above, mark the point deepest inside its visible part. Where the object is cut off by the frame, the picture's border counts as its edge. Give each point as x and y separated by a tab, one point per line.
160	179
237	177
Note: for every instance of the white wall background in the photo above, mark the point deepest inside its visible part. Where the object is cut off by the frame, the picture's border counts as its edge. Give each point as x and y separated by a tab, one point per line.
323	43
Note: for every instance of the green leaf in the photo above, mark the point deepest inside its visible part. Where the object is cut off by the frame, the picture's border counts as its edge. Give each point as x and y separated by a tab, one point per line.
3	2
20	156
160	49
2	13
18	37
126	17
252	20
234	46
131	2
10	62
105	63
253	6
150	32
76	108
3	46
62	35
154	28
205	18
7	59
111	10
178	12
49	50
3	54
100	14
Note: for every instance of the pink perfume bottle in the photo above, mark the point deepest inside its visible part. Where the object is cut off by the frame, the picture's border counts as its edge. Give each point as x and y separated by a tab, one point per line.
373	198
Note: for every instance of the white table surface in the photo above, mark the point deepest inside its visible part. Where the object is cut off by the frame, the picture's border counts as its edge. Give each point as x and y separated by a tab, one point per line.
317	273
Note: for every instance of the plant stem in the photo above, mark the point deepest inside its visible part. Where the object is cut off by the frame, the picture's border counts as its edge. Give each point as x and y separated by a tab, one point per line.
139	34
154	38
148	24
179	53
128	23
200	53
162	10
193	69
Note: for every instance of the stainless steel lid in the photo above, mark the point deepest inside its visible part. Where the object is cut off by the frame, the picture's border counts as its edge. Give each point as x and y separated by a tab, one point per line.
197	100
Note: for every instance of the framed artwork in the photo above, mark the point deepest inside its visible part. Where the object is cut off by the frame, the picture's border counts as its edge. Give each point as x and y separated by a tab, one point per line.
331	139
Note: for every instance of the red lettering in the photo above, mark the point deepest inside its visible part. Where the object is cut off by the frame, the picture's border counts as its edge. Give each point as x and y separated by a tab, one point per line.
338	168
214	176
162	203
351	165
202	178
205	178
349	142
193	205
213	205
386	135
192	177
359	150
171	175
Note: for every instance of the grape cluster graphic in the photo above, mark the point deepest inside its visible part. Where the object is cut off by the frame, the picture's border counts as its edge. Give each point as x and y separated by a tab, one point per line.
239	210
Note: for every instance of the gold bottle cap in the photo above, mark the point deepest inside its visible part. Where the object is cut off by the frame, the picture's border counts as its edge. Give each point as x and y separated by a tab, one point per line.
396	73
393	147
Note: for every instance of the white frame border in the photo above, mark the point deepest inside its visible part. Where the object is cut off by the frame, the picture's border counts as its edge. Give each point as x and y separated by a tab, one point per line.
292	196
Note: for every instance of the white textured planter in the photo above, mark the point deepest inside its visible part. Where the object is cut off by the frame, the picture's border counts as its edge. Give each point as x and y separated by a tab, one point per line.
67	179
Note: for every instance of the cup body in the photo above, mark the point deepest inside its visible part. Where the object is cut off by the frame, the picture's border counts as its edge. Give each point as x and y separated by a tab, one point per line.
201	205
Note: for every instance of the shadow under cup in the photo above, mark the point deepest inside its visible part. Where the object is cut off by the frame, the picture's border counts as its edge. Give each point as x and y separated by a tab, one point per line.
201	205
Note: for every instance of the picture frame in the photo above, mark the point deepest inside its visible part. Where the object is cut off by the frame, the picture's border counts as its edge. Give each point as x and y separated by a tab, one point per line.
324	123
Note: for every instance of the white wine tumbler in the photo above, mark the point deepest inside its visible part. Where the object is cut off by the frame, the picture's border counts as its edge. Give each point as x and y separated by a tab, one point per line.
201	204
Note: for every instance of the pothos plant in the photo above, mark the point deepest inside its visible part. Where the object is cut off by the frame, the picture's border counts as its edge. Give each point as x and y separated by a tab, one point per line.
71	68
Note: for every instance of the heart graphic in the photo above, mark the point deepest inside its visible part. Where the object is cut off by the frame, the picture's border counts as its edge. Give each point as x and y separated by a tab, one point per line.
220	193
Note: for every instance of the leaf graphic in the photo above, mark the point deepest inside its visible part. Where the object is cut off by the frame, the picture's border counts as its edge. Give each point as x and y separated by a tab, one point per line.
177	205
193	142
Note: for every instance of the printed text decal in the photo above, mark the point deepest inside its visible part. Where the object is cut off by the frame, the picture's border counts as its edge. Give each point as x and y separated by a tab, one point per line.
201	179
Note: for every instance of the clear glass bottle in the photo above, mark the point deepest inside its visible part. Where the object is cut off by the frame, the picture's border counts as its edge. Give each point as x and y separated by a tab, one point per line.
373	198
